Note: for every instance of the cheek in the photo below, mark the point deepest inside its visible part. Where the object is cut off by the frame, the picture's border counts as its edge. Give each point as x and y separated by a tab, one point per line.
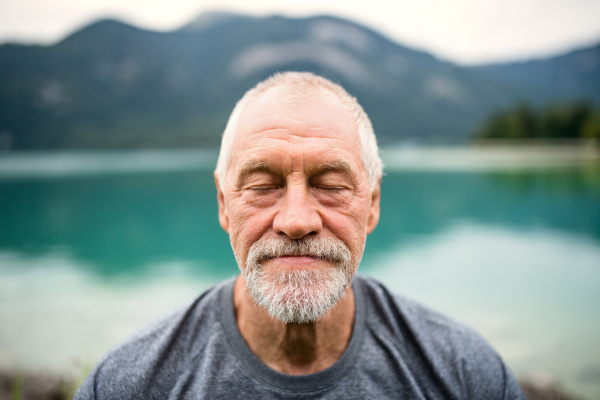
349	222
247	225
355	211
349	227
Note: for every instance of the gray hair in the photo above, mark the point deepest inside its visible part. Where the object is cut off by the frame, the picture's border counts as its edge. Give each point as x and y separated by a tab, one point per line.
298	86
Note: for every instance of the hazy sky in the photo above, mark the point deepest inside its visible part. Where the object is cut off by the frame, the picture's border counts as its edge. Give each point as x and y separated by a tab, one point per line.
465	31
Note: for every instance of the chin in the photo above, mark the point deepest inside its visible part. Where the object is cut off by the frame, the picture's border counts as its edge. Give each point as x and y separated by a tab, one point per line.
297	295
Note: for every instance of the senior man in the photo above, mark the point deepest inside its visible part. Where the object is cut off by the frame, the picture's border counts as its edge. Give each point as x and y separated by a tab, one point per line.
298	187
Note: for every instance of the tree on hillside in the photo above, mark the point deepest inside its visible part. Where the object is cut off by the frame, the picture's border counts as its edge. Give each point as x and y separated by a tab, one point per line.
571	120
591	127
564	121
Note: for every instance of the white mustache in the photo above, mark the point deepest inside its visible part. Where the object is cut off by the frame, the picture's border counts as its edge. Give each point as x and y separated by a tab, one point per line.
324	248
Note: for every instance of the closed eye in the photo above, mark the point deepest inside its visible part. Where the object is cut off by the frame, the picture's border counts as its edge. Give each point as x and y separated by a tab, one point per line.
331	189
263	189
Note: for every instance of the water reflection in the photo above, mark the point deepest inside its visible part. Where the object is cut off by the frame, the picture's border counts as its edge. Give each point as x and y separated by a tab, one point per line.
117	224
120	224
53	309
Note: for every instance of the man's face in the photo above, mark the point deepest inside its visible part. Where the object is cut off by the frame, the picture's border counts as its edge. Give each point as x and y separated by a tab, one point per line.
296	176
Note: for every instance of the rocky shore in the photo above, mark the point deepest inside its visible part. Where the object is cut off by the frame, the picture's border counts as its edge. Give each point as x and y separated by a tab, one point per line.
19	386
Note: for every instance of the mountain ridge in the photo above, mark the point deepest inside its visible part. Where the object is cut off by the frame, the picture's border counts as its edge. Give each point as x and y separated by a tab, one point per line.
113	85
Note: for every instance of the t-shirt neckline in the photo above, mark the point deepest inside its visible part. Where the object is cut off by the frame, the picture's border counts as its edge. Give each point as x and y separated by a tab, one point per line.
258	370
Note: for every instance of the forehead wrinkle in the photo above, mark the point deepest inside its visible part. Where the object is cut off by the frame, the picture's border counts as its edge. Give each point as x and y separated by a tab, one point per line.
294	139
281	117
249	133
290	139
298	128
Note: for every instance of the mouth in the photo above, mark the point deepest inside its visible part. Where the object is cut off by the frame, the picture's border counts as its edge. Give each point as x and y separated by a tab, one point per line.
293	260
307	256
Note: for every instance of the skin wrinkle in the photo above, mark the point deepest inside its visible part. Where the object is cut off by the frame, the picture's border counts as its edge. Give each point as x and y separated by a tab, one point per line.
290	133
270	148
250	166
299	160
298	126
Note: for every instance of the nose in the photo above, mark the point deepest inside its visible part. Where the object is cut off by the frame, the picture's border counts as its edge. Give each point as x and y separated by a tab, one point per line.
297	215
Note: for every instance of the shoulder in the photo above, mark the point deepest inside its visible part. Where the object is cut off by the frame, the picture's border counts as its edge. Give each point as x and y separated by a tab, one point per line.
143	365
448	351
406	320
400	316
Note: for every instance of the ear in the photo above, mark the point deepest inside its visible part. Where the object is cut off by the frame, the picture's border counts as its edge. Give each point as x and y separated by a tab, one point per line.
374	210
223	217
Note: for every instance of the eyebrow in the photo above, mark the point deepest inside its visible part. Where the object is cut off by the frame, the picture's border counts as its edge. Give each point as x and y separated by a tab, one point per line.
340	165
250	166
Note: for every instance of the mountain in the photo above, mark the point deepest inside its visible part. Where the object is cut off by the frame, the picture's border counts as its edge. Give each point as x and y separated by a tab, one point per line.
112	85
573	75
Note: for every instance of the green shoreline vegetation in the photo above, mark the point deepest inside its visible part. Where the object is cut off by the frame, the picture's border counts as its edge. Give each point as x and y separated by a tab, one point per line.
577	120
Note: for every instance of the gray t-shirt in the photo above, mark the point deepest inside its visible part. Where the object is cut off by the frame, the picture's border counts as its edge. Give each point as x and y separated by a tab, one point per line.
398	350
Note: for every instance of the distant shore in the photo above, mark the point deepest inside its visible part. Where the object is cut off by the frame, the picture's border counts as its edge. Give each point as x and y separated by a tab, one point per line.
486	155
493	155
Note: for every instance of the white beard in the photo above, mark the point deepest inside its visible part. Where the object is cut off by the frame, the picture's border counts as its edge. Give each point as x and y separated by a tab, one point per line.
298	296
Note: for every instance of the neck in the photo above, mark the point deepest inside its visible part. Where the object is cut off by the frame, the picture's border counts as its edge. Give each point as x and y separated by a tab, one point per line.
295	349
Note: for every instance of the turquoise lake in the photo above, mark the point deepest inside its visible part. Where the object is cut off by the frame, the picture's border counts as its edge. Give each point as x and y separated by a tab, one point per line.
95	245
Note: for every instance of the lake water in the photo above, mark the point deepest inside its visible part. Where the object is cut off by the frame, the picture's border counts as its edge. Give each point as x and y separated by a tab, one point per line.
95	245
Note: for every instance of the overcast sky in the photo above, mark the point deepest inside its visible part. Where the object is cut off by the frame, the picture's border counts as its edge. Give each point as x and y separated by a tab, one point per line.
463	31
